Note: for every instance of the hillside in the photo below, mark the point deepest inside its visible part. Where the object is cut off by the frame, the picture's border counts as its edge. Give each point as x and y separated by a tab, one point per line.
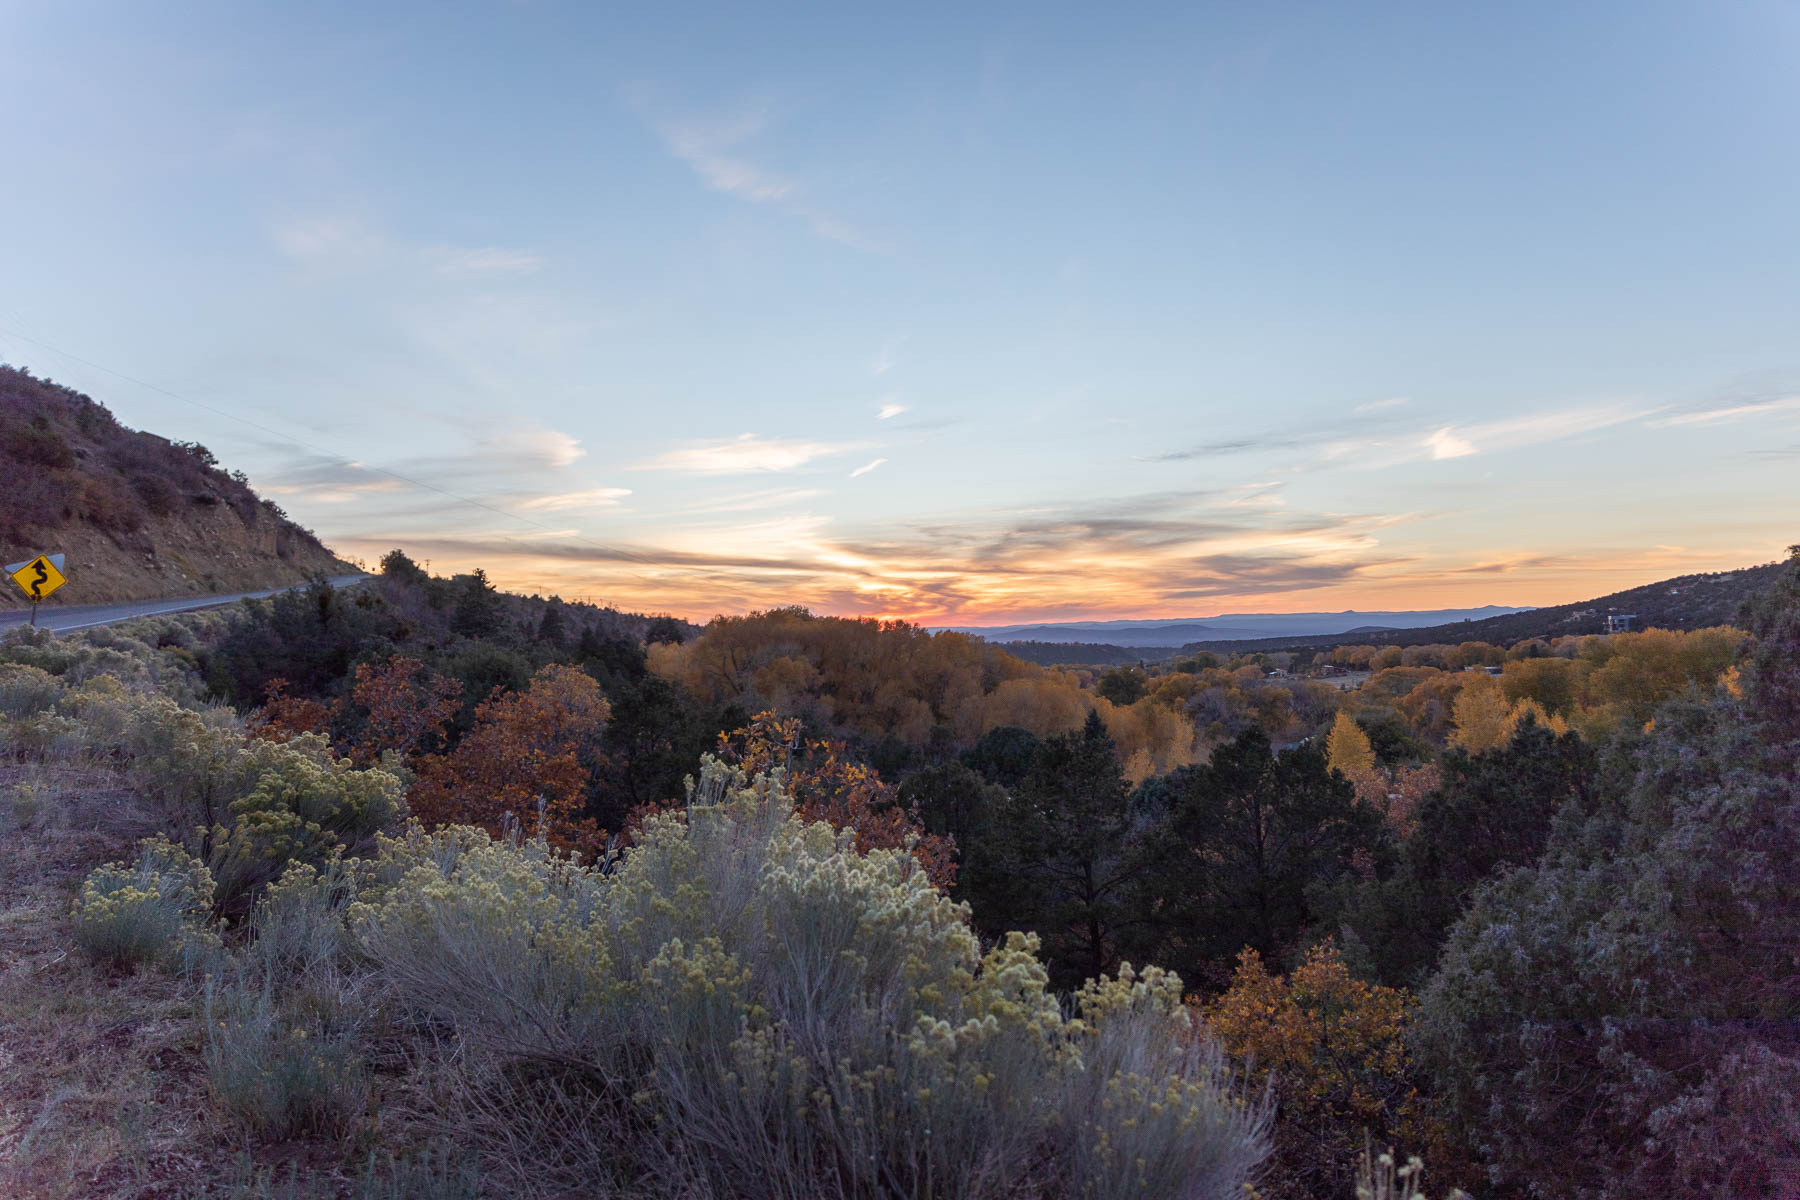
139	517
1684	602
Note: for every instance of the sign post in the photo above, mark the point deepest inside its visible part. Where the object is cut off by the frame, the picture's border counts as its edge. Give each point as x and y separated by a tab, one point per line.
37	578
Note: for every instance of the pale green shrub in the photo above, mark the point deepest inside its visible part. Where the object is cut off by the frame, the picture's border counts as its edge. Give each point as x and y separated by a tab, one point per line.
43	737
26	691
255	805
277	1071
192	762
301	806
151	911
746	1006
1143	1114
297	927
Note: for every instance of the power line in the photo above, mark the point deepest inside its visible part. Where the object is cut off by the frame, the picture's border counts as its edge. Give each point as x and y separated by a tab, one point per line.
328	453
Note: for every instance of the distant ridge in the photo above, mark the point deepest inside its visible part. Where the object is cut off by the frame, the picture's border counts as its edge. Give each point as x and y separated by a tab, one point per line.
1174	632
1684	602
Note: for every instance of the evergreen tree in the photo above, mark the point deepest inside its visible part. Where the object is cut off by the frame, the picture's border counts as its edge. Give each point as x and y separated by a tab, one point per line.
1254	838
1493	812
1066	859
550	630
480	612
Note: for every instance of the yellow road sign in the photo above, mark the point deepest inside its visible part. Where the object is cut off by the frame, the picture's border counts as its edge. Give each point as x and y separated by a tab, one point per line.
38	578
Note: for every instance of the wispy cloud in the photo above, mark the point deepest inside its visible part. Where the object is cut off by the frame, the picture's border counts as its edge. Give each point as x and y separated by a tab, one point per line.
867	467
746	454
1382	405
1388	441
714	148
885	357
1720	414
530	448
1446	444
707	147
327	239
483	260
605	497
889	411
754	501
324	480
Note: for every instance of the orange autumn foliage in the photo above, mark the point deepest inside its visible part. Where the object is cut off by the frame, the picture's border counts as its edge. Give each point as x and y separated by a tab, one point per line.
1396	792
282	718
1333	1049
408	707
528	757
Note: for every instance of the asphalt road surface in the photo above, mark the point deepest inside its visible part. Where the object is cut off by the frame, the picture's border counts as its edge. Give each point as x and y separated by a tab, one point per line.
64	620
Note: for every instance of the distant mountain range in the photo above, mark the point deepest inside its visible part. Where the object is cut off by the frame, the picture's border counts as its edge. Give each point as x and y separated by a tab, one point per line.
1175	632
1684	602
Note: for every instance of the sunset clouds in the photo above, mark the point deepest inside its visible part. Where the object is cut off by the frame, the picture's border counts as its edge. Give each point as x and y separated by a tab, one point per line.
956	319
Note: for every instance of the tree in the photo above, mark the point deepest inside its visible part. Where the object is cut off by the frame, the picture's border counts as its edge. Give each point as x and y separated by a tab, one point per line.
1253	837
669	630
479	610
654	739
1619	1020
550	630
828	786
1481	711
1347	747
396	565
1492	812
408	708
1004	754
528	758
1123	686
1332	1048
1067	862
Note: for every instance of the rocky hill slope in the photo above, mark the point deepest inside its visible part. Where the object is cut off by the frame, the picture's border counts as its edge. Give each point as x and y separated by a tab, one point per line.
139	517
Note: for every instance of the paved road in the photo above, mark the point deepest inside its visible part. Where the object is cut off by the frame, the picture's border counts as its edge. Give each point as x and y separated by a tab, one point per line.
63	620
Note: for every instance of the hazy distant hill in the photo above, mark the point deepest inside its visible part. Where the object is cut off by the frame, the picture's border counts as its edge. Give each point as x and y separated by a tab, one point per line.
1173	633
139	517
1084	654
1685	602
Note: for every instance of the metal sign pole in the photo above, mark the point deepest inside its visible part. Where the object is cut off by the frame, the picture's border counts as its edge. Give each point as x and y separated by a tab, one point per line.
34	605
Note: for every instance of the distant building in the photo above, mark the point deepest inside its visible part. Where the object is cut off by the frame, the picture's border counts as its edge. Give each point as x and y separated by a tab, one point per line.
1621	622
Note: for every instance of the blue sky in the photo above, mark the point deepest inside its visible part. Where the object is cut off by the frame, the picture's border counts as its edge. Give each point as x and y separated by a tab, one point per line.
954	313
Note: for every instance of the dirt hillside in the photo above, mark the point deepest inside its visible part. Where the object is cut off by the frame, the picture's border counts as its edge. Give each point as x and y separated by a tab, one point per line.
138	516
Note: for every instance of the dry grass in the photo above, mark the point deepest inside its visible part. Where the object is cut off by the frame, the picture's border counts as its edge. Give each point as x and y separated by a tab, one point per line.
102	1086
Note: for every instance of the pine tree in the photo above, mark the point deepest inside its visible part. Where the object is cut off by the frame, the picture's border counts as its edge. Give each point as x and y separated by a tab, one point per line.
1065	857
550	629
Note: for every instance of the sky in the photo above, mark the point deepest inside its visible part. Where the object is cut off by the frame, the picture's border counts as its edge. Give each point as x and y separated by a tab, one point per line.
965	314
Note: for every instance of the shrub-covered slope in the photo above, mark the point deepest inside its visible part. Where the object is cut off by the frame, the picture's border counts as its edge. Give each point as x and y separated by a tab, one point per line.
139	517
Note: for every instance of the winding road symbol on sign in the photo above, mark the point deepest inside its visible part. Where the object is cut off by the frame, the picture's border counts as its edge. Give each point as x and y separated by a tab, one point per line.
39	577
